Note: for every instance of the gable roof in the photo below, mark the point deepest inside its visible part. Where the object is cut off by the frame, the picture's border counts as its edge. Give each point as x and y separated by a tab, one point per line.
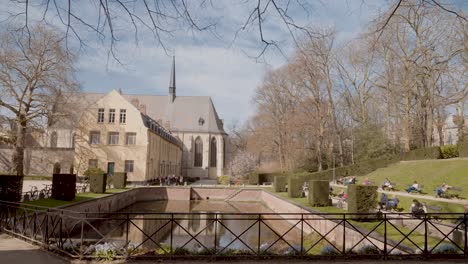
183	113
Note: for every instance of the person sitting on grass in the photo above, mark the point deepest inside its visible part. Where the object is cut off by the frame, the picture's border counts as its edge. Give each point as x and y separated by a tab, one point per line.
417	209
383	201
392	203
442	190
343	199
387	184
414	187
366	182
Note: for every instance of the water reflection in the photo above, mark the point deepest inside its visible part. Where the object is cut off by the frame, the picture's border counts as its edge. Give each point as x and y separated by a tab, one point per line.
196	228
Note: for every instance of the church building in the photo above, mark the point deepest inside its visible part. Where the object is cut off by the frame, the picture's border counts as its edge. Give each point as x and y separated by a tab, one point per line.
190	124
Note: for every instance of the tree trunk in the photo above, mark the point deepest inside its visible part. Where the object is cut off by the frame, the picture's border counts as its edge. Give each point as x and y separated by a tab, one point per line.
335	125
18	153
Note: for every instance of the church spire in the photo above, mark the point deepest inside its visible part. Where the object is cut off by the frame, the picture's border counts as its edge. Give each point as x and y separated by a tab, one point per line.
172	83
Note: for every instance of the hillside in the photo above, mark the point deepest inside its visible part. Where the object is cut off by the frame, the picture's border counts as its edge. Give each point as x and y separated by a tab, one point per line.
429	173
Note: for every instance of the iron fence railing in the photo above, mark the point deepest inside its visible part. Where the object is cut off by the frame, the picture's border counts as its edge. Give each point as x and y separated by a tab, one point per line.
106	235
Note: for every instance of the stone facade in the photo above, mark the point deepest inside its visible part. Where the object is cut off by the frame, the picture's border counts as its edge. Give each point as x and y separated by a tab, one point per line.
152	151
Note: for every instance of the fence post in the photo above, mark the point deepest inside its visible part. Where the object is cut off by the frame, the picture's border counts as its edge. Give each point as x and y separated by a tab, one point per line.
385	236
81	243
126	237
259	227
215	233
465	223
302	234
425	236
46	236
344	235
172	229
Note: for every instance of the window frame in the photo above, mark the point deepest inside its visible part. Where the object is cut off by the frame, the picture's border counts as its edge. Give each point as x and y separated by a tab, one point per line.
112	115
98	133
213	152
123	116
109	136
198	153
127	138
129	164
101	115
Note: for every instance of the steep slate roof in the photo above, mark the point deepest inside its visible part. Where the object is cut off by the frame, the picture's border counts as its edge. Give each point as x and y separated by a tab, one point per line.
183	114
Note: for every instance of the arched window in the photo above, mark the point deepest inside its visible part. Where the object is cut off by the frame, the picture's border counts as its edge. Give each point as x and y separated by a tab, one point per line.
56	168
213	152
53	140
198	160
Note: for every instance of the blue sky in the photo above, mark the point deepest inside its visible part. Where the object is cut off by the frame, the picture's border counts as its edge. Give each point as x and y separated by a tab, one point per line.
208	63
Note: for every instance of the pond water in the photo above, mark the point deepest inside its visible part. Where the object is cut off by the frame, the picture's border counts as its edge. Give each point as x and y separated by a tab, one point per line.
194	226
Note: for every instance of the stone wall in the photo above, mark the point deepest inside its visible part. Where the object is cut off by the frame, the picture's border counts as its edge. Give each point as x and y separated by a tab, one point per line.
39	161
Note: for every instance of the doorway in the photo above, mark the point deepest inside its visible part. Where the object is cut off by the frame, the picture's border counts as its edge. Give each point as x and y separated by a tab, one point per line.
110	169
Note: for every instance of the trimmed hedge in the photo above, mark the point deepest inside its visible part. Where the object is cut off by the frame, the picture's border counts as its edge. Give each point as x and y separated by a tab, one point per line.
11	187
295	187
449	151
98	182
361	199
261	178
319	193
463	150
279	183
253	178
119	179
422	154
63	186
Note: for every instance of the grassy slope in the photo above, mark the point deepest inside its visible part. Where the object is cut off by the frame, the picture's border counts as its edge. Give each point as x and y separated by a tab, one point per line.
392	232
429	173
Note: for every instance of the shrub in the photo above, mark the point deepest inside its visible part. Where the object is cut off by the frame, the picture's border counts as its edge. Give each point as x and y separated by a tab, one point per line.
90	171
362	199
268	177
329	250
463	149
295	187
63	187
369	250
449	151
253	178
224	180
279	183
119	180
445	248
319	193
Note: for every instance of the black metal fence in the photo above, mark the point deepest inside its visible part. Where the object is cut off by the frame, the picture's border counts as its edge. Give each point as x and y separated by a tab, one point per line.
154	235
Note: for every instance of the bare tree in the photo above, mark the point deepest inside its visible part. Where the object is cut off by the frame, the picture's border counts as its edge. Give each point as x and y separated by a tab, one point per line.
35	72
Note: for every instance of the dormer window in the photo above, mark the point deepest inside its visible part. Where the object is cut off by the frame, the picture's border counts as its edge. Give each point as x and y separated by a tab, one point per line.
201	121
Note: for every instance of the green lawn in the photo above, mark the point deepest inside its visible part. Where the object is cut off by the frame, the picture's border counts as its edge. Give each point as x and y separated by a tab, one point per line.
49	202
392	233
429	173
